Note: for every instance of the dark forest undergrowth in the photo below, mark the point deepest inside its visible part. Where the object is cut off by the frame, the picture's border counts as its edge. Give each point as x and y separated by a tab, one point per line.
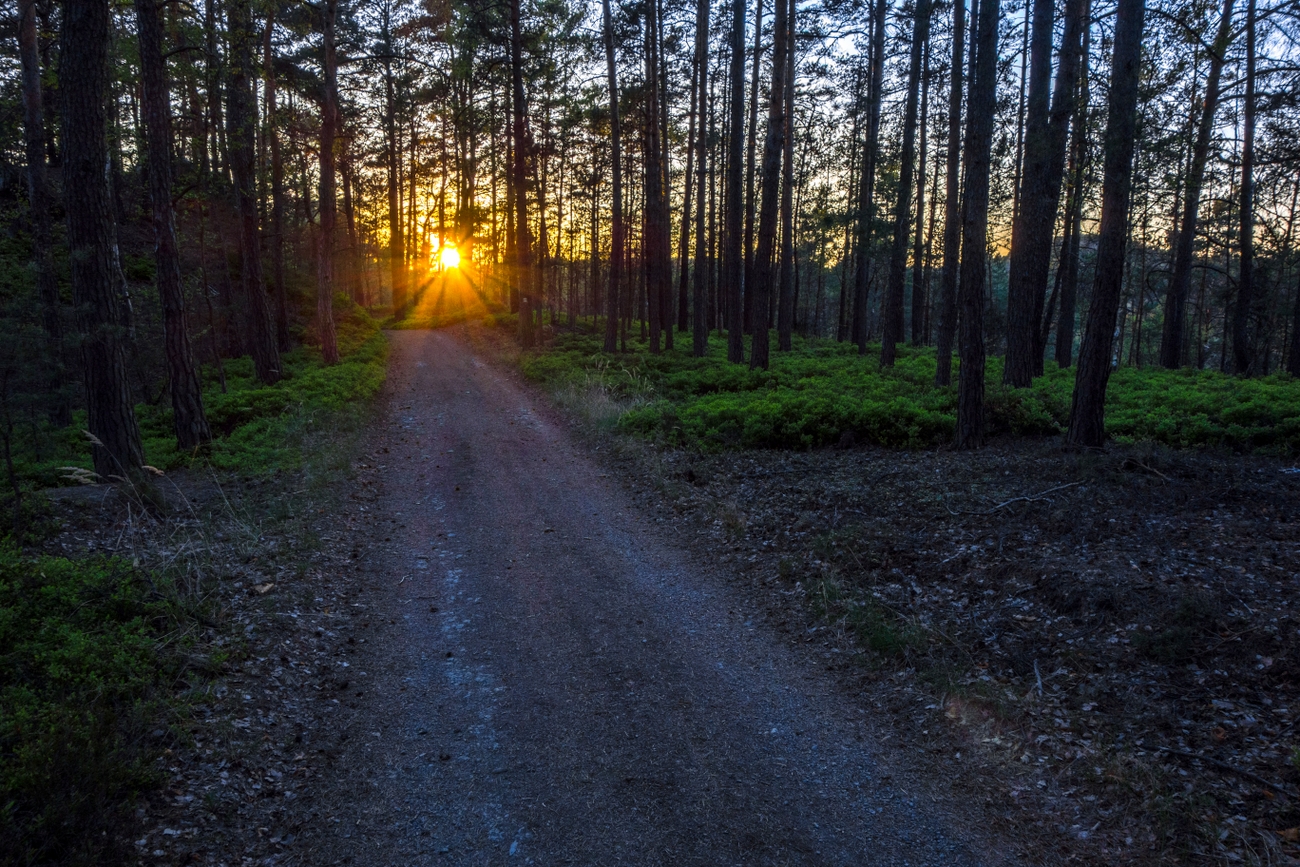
1101	648
122	606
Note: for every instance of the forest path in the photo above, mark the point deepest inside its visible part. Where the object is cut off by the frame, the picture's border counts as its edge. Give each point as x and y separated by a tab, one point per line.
562	685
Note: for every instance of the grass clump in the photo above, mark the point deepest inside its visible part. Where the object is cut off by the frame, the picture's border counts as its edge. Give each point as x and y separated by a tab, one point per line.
92	657
823	393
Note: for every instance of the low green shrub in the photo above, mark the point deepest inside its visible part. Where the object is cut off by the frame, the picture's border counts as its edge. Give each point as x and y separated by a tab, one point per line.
92	658
823	392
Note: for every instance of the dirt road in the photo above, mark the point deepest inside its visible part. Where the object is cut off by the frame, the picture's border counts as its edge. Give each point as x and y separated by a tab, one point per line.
557	683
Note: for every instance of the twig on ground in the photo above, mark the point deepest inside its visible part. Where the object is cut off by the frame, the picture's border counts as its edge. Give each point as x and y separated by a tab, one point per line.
1032	498
1233	769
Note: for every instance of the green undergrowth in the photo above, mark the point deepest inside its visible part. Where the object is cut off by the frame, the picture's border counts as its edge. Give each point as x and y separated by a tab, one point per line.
257	428
822	393
91	689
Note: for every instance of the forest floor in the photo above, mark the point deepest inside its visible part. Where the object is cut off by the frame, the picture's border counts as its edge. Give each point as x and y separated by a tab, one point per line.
1011	655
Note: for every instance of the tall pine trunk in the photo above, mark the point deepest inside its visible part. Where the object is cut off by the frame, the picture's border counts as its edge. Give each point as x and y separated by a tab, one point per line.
1242	348
38	196
699	317
733	255
1087	410
751	167
617	234
656	205
523	241
893	312
1172	339
277	189
684	241
329	120
1069	264
97	286
1040	188
771	188
952	205
786	296
920	327
188	419
241	120
974	251
867	185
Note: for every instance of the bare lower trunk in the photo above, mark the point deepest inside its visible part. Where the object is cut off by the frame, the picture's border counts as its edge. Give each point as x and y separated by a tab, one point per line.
188	419
1087	410
241	119
771	188
786	295
952	206
1243	355
329	347
616	146
979	139
277	192
97	284
38	195
523	241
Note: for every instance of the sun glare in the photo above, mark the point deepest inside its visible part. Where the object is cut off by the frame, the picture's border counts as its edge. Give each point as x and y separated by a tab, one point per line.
449	257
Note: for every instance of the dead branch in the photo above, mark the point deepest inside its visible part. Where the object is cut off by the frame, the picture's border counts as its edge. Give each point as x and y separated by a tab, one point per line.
1233	769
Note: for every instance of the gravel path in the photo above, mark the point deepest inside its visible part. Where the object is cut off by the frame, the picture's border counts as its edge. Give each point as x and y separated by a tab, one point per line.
555	682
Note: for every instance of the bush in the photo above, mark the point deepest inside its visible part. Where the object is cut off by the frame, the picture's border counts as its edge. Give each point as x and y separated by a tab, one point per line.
90	666
822	391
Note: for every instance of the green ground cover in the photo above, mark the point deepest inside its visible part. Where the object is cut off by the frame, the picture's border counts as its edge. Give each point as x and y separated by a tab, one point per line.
822	390
257	428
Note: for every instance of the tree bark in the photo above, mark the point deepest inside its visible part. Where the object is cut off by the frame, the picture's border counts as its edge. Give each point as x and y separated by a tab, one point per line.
893	312
523	242
1040	188
1069	264
751	203
38	196
699	317
1087	410
920	328
329	120
1171	340
867	185
1243	355
771	188
277	188
188	419
786	294
684	242
979	139
952	205
656	240
396	236
733	254
97	284
616	147
241	120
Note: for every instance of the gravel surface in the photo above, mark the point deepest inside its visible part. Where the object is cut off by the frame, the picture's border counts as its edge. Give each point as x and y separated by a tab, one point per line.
551	679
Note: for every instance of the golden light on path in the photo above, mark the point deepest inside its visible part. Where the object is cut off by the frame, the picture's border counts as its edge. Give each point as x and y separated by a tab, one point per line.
449	257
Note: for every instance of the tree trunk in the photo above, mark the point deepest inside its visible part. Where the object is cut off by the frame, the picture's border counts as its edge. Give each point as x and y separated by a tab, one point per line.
277	190
656	204
771	189
867	186
1171	339
1087	410
1243	355
329	120
97	284
786	294
733	254
188	419
893	312
684	248
523	242
920	329
751	204
699	318
241	119
396	237
979	138
1040	188
616	147
38	195
952	206
1069	264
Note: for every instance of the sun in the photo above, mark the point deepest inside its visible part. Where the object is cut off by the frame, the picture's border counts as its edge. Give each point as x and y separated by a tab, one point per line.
449	257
